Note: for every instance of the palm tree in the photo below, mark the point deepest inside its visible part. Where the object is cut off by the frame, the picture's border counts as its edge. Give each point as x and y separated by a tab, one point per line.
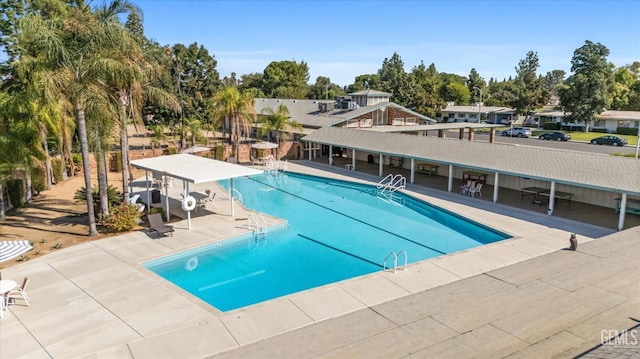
278	123
238	108
75	56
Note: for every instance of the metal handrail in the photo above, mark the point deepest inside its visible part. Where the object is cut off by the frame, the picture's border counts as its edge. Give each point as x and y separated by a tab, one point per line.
406	257
395	261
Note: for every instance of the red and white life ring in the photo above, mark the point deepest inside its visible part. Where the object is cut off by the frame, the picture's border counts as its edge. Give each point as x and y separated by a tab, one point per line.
189	203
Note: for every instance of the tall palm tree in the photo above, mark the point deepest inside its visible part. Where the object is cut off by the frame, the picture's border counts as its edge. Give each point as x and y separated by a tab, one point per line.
278	123
230	104
74	57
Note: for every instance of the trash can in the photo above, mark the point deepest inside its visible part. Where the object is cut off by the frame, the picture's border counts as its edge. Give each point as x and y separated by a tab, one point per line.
155	196
370	159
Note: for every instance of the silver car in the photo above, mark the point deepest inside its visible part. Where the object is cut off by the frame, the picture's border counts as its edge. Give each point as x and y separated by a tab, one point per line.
517	132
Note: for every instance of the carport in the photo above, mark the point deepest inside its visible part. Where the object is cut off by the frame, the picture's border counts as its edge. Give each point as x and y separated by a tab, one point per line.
191	169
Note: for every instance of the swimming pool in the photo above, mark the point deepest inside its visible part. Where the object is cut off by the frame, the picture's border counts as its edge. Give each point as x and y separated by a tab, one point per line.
336	230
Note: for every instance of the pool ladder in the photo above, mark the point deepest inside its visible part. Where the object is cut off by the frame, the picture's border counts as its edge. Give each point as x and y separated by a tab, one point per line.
395	256
391	183
258	225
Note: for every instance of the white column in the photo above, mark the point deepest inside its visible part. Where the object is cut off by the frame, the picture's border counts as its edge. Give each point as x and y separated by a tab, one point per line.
413	170
330	155
146	180
552	194
188	212
166	198
495	188
353	159
233	213
380	162
309	151
450	184
623	210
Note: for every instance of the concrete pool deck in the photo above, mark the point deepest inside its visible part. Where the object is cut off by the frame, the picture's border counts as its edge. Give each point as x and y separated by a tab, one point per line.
524	297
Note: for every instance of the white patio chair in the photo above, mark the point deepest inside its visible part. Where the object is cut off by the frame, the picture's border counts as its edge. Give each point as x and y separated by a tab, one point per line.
465	188
19	293
476	190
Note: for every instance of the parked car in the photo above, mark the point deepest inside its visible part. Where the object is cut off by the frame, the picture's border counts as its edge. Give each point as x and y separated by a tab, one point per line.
609	140
517	132
557	136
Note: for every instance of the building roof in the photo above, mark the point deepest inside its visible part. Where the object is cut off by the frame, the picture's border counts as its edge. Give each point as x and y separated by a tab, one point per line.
306	112
472	109
371	93
606	115
584	169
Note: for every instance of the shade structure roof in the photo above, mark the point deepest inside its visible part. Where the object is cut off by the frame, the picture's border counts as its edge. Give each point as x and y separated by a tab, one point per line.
264	145
194	169
195	149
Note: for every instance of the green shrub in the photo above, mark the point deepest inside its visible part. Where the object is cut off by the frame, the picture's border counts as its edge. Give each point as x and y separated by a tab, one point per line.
77	159
627	131
122	217
219	153
160	210
554	126
15	187
58	168
38	179
172	150
114	196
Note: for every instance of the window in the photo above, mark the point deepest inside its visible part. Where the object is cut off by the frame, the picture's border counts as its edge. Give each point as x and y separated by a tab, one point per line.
411	121
398	121
352	123
365	122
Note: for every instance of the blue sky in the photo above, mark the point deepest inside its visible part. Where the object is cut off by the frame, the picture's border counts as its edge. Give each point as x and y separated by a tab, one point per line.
344	39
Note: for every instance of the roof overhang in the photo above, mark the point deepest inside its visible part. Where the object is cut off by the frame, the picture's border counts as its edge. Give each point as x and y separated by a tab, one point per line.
584	169
194	169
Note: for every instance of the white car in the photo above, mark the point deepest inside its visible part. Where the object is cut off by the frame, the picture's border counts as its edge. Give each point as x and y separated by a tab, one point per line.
517	132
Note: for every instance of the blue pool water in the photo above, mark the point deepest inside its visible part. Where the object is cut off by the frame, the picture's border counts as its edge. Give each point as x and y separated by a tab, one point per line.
336	230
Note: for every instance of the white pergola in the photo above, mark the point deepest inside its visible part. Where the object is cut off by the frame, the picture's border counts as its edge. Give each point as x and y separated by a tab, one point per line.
192	169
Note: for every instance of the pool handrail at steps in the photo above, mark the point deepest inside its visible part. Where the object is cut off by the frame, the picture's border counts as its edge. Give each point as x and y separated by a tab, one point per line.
392	183
395	260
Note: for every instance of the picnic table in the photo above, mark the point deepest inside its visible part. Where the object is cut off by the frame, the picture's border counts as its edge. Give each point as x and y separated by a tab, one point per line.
428	168
538	192
474	176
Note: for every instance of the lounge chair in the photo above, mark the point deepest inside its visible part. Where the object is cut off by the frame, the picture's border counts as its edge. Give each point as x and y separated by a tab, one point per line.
19	293
156	224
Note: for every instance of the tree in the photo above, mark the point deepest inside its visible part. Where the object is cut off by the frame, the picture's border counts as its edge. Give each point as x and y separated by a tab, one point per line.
475	84
529	90
588	90
76	54
424	97
277	122
323	89
286	79
239	108
365	82
394	79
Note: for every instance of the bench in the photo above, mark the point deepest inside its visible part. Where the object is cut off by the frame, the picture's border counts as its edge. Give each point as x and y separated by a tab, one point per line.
428	168
633	205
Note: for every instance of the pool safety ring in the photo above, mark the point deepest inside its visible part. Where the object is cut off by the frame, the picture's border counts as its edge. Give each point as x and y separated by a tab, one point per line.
192	263
188	203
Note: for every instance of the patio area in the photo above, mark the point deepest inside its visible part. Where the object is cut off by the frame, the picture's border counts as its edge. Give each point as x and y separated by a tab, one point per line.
524	296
